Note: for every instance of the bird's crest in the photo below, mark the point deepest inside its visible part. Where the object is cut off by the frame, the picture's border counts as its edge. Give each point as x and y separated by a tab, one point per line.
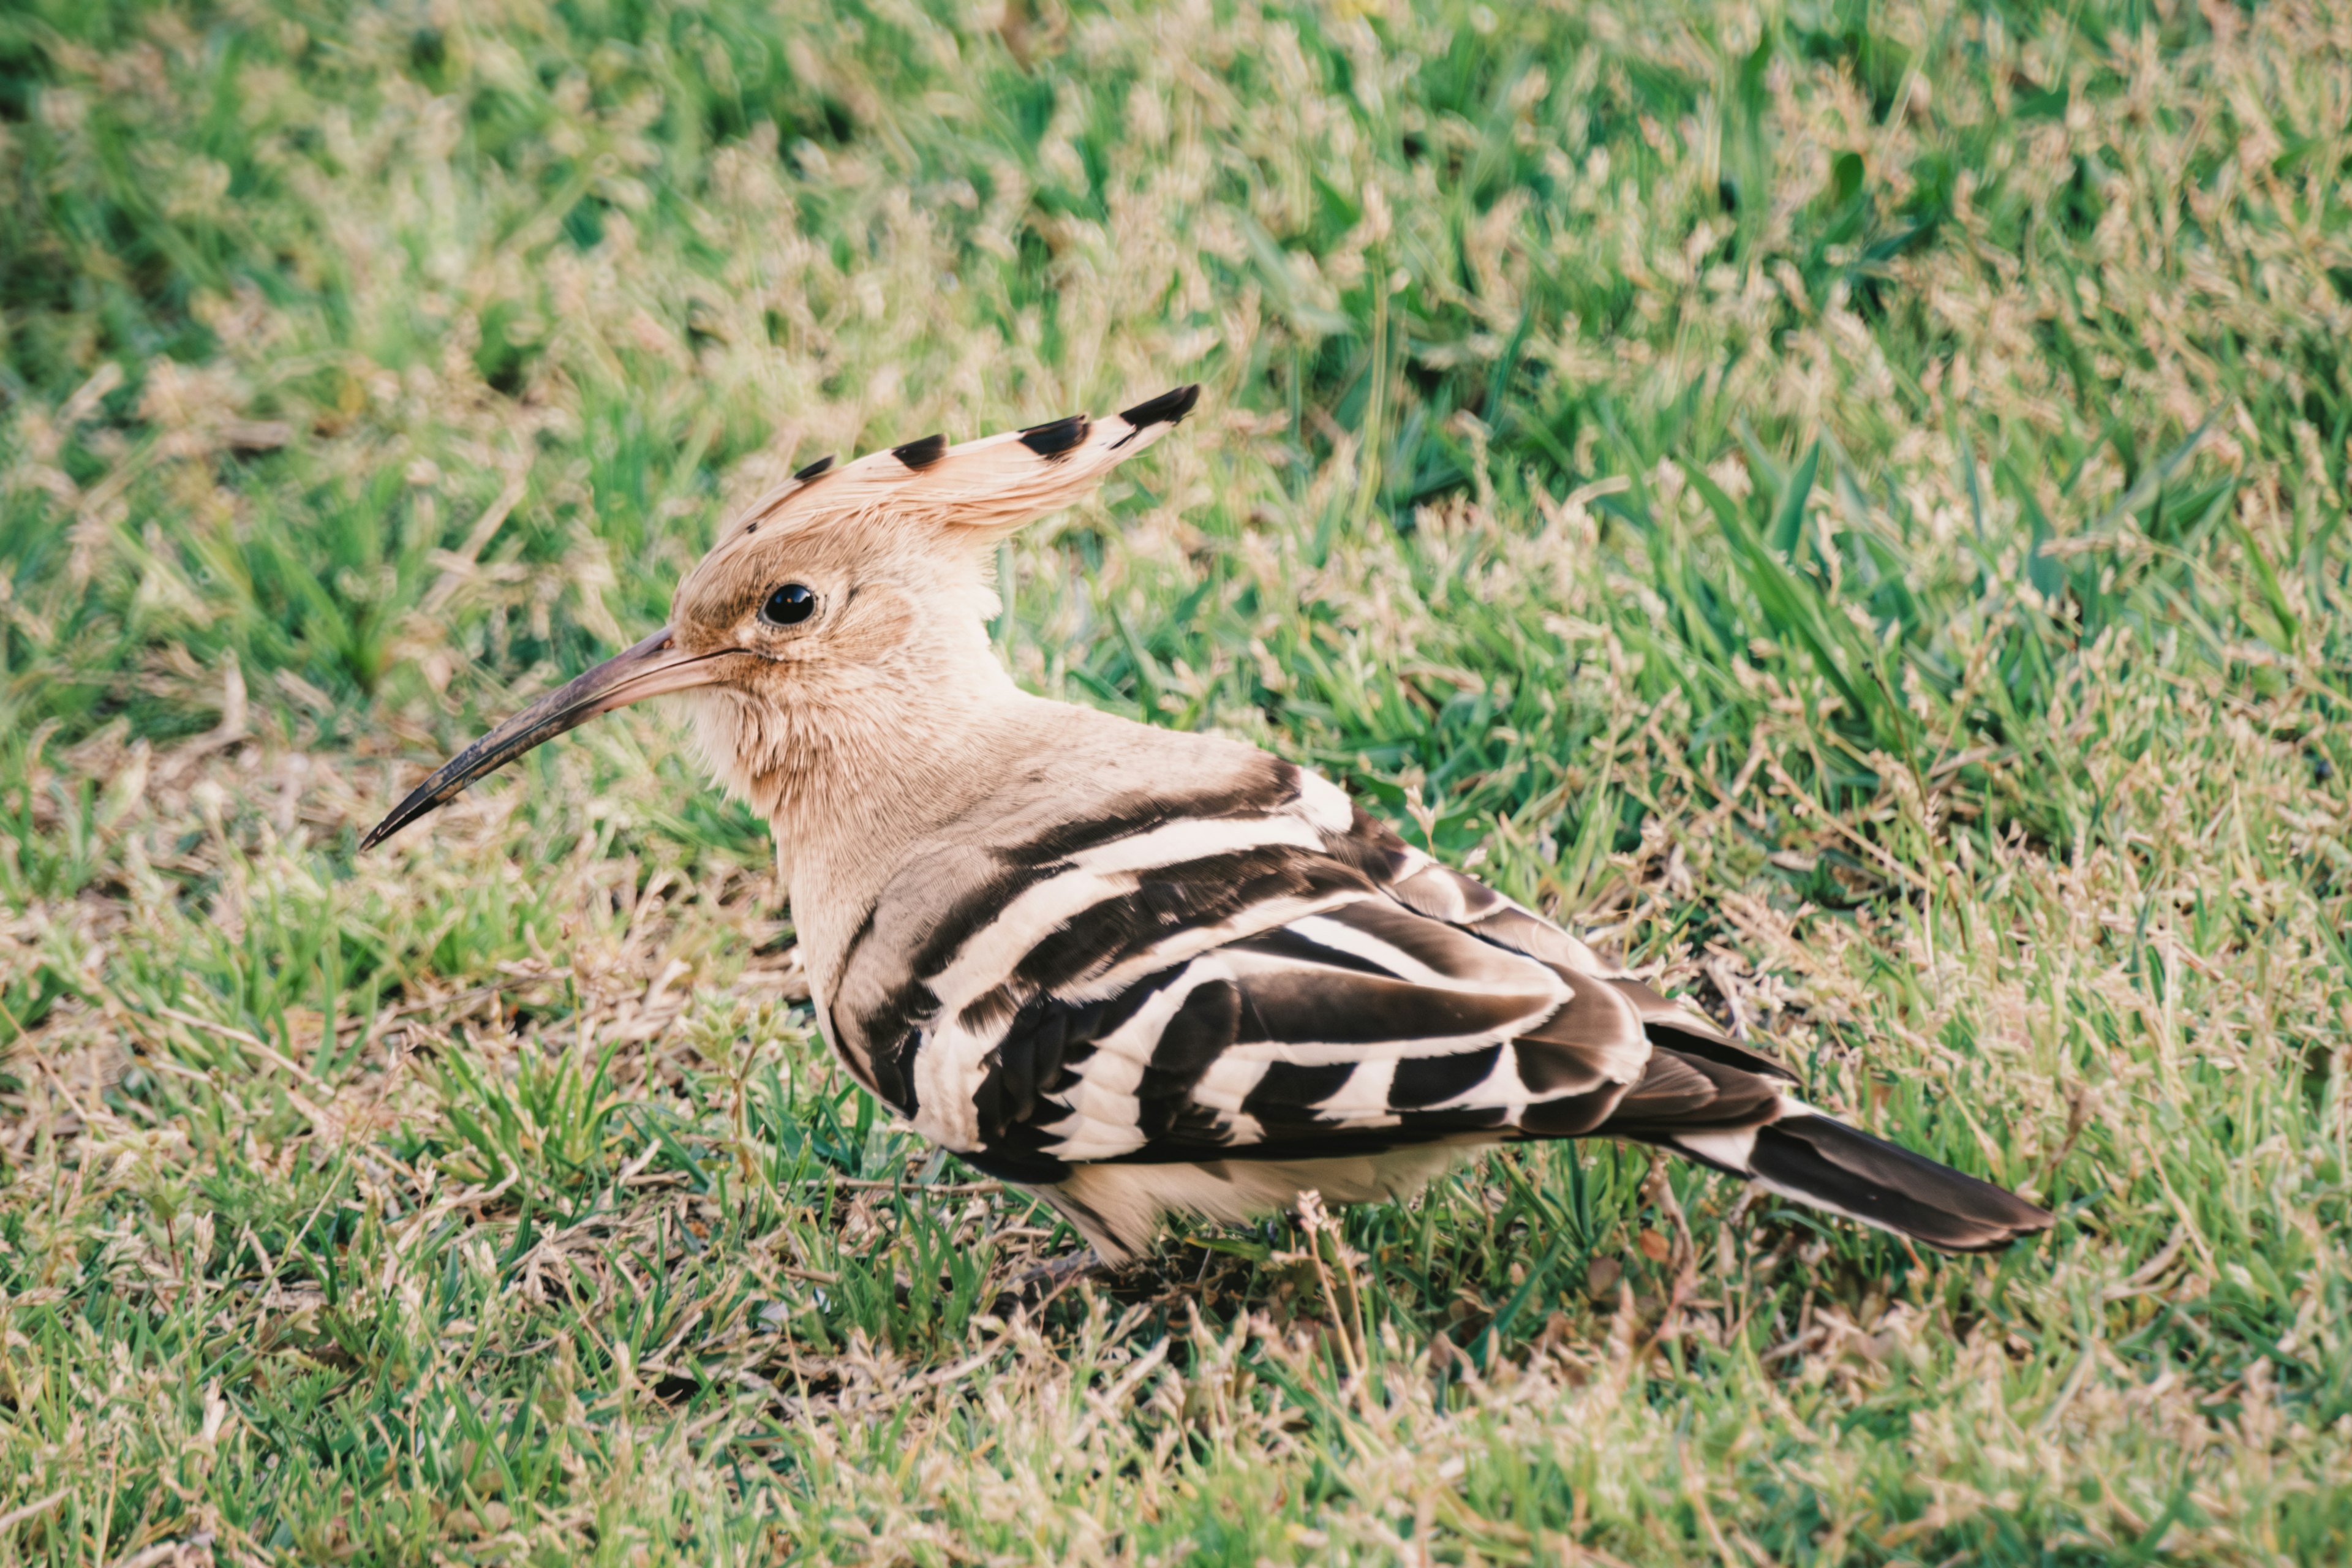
982	490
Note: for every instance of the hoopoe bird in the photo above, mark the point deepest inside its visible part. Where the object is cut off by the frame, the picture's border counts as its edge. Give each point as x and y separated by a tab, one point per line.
1138	971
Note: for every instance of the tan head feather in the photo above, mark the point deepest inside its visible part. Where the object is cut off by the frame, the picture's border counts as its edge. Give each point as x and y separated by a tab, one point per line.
836	634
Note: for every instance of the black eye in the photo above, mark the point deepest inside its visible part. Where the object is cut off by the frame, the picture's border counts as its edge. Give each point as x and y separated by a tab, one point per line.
789	606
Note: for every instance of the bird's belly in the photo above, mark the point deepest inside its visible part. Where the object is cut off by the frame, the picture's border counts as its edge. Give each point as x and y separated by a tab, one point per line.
1120	1205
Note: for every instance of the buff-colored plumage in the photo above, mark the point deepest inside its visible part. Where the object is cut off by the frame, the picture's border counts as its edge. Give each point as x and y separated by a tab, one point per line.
1138	970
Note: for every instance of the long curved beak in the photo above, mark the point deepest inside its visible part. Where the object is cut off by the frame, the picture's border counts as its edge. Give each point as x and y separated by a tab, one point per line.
649	669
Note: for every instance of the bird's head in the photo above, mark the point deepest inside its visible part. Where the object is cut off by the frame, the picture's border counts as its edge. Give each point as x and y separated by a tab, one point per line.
851	590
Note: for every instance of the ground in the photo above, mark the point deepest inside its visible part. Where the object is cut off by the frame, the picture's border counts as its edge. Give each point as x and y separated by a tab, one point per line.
1844	503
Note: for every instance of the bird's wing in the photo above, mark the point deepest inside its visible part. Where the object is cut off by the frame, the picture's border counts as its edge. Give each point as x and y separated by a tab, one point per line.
1265	972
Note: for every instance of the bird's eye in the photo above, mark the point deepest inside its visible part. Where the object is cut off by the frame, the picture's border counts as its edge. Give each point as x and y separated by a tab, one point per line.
789	606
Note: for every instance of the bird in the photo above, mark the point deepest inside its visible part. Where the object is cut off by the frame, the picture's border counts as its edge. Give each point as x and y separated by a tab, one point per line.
1141	971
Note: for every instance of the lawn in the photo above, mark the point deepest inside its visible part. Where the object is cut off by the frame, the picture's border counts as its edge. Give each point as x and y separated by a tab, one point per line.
1844	502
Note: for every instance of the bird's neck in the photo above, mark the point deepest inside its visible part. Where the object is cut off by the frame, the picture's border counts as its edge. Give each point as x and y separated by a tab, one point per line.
849	776
862	791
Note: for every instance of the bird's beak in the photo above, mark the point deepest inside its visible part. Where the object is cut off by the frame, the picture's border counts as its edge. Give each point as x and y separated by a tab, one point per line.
653	667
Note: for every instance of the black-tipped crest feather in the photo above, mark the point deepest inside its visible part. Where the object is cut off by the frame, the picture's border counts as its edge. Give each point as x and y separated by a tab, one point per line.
1058	438
1165	409
921	455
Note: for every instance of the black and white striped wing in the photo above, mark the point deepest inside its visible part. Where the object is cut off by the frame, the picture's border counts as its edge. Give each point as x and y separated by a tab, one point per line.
1264	973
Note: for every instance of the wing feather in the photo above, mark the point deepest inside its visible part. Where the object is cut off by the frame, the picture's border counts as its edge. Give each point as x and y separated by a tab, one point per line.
1265	972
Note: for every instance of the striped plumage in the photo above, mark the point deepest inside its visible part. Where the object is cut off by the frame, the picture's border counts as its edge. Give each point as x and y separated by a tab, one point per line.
1141	971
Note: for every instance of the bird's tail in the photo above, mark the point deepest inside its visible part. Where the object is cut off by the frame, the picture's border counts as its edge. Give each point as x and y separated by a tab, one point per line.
1830	1165
1748	1126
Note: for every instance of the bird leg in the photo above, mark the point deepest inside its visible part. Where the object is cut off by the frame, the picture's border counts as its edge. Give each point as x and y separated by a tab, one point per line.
1038	1286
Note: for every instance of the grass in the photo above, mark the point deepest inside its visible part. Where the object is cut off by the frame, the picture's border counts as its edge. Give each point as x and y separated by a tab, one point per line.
1846	501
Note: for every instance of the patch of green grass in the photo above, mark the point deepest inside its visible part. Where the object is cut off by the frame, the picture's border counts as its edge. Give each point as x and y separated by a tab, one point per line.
1845	501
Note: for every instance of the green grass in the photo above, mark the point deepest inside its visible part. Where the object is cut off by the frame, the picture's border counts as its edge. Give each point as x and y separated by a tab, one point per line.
1846	501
